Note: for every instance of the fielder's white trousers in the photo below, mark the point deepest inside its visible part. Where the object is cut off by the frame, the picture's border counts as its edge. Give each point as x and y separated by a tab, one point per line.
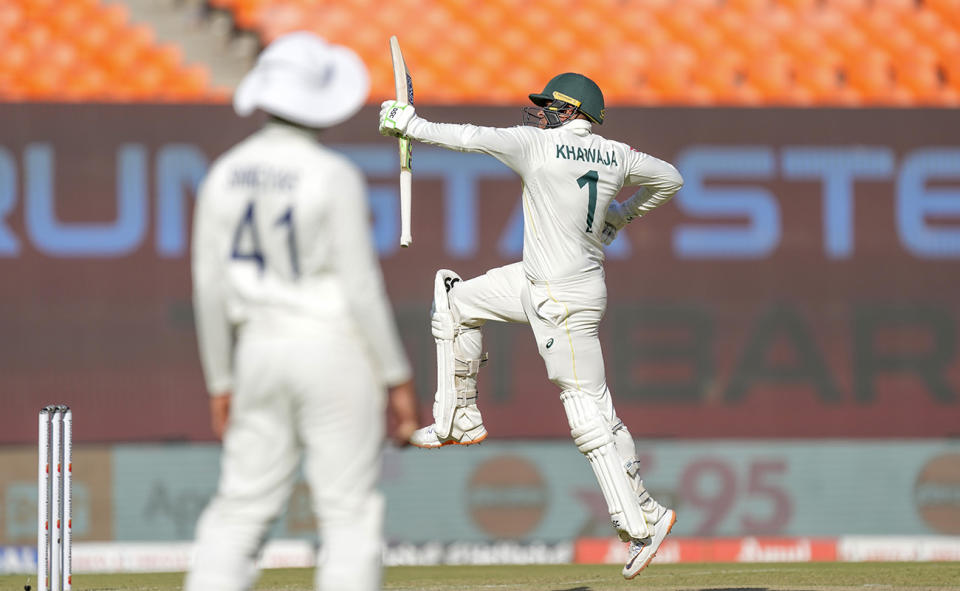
564	315
313	397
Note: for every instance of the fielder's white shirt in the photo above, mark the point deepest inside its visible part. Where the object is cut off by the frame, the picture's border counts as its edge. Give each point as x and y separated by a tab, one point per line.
282	246
570	175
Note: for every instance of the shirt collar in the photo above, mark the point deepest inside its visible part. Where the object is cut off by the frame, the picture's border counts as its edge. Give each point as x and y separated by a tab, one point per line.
579	126
274	126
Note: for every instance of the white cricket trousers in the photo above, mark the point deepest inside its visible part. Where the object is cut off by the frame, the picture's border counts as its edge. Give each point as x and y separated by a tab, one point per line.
564	316
314	397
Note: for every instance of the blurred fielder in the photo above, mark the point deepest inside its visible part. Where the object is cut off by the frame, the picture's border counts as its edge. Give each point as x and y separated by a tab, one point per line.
297	337
571	177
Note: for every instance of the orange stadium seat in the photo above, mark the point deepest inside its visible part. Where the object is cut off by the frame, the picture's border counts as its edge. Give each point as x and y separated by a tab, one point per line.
84	50
771	74
11	17
885	30
800	5
917	69
874	77
823	76
86	82
947	50
949	10
677	52
806	52
726	80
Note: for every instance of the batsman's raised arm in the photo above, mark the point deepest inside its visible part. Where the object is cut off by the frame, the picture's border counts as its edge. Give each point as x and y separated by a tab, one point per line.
503	143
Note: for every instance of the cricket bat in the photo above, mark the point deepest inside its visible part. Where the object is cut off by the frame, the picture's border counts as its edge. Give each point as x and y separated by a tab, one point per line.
404	84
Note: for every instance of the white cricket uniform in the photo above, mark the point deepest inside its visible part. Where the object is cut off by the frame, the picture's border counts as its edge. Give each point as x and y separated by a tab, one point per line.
293	319
570	175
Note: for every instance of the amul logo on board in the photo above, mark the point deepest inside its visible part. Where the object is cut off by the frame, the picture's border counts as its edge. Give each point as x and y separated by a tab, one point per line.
507	497
937	493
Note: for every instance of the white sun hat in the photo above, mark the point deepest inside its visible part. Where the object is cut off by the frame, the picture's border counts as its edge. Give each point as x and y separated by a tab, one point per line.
302	78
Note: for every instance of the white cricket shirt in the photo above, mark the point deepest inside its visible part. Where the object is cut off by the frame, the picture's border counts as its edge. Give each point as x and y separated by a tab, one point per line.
282	245
570	175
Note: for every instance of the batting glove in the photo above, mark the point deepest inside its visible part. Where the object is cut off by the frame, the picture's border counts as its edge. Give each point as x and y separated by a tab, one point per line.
394	118
614	221
608	233
615	216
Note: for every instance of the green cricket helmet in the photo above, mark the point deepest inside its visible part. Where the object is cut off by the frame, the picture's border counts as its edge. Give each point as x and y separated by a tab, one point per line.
562	98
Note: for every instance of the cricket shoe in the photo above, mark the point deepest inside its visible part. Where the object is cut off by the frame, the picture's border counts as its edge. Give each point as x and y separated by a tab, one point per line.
467	429
642	551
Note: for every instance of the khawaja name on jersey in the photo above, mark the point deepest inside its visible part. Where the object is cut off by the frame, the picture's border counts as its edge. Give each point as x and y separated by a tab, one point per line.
586	155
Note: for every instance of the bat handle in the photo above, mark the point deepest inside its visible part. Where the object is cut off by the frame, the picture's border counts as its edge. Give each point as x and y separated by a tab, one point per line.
405	191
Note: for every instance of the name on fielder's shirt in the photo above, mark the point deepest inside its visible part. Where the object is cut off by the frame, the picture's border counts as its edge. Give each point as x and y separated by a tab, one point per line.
586	155
259	177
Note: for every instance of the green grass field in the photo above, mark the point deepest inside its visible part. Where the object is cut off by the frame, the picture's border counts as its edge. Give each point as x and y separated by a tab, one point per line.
865	576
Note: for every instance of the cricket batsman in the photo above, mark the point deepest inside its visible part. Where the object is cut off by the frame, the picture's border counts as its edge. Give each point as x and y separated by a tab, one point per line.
299	347
570	177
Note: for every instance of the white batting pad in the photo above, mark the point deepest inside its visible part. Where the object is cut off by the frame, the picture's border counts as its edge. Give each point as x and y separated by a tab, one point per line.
593	438
445	400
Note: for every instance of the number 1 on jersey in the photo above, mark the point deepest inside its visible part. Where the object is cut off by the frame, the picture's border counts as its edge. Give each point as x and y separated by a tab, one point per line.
590	179
287	220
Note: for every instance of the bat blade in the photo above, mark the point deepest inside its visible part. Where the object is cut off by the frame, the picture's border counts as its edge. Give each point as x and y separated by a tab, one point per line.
404	87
